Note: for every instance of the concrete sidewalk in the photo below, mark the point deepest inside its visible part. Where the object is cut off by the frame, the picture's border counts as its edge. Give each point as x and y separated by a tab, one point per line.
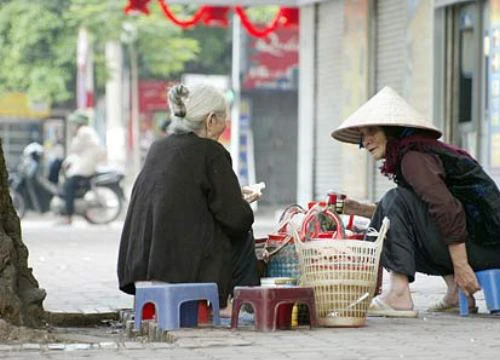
77	268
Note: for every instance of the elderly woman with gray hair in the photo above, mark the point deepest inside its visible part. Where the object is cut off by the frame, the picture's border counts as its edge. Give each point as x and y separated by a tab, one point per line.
188	220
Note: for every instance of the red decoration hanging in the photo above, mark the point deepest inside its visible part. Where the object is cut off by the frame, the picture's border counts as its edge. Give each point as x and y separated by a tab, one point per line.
216	16
252	30
135	6
290	16
182	23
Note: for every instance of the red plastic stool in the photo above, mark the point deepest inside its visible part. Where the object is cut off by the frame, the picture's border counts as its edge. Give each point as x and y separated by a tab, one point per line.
273	306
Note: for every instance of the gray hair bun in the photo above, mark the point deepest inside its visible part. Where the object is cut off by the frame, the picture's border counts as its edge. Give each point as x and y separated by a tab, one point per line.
176	97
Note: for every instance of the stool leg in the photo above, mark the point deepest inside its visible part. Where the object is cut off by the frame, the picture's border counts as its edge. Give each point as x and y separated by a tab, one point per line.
489	280
235	312
169	316
270	317
464	304
138	314
215	310
261	313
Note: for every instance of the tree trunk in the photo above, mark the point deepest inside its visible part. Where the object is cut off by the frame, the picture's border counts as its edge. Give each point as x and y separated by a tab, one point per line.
20	296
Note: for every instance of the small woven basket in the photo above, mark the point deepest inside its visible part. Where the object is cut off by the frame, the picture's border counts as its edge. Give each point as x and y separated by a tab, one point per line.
283	260
284	263
343	274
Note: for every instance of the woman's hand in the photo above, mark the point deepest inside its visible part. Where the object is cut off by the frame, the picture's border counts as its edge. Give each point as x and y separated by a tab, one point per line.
250	194
353	207
466	279
463	273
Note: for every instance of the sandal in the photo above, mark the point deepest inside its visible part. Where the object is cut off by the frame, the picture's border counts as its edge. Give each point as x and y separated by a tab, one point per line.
443	307
379	308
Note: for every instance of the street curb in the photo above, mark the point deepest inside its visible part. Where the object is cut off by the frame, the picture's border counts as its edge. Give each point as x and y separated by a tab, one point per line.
66	319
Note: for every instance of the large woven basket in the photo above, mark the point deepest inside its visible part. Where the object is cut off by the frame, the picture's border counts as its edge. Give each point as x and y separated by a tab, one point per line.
343	274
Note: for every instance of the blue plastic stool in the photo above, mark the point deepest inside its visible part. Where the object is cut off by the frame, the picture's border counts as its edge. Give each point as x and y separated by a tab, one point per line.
489	280
176	305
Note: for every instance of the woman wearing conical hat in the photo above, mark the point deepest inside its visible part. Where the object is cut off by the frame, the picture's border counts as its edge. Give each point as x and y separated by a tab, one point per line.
444	213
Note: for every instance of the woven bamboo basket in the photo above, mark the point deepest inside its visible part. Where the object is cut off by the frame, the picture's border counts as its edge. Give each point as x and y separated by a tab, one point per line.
343	274
283	260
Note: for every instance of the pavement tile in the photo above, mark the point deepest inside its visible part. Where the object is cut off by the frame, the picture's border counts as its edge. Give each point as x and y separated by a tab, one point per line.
160	345
131	345
187	343
55	347
78	347
6	347
108	345
31	347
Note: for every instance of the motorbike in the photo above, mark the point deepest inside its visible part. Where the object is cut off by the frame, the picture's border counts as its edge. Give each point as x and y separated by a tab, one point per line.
99	200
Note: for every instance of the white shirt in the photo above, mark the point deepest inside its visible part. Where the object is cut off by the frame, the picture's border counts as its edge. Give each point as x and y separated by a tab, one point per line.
85	152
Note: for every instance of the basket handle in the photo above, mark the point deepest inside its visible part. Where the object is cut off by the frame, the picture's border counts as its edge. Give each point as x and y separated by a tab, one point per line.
379	242
313	214
292	232
380	234
287	240
356	302
287	214
285	222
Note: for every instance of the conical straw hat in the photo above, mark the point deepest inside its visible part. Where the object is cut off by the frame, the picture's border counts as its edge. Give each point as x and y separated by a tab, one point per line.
386	108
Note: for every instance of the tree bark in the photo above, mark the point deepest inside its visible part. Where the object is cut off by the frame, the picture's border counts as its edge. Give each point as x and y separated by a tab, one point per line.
20	296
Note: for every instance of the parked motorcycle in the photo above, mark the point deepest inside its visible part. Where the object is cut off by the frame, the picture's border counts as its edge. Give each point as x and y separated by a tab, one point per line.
99	200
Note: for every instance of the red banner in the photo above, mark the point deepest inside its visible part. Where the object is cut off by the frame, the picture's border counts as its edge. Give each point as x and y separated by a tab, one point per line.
273	61
153	95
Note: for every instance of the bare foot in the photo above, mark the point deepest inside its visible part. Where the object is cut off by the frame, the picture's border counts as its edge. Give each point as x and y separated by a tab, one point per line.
398	294
398	301
227	311
451	298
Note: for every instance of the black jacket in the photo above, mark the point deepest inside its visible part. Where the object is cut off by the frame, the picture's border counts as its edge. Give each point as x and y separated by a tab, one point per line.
186	207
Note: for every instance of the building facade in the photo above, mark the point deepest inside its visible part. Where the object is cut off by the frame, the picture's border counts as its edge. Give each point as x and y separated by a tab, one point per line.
441	56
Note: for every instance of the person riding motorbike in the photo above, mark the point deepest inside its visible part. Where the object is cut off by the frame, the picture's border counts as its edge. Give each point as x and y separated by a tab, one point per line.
84	154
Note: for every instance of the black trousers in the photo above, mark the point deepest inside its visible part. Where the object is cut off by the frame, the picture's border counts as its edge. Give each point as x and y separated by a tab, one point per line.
413	243
54	169
70	188
244	262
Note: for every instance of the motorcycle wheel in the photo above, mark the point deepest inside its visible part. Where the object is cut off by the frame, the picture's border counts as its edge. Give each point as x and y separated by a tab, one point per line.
105	205
18	202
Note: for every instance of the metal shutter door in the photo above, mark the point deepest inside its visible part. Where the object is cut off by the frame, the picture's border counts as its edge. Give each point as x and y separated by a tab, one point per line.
274	124
389	63
327	152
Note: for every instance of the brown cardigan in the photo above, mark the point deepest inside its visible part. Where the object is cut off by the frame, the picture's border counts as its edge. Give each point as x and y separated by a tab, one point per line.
424	172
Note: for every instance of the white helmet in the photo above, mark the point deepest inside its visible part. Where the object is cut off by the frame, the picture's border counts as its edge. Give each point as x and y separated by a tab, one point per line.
33	149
